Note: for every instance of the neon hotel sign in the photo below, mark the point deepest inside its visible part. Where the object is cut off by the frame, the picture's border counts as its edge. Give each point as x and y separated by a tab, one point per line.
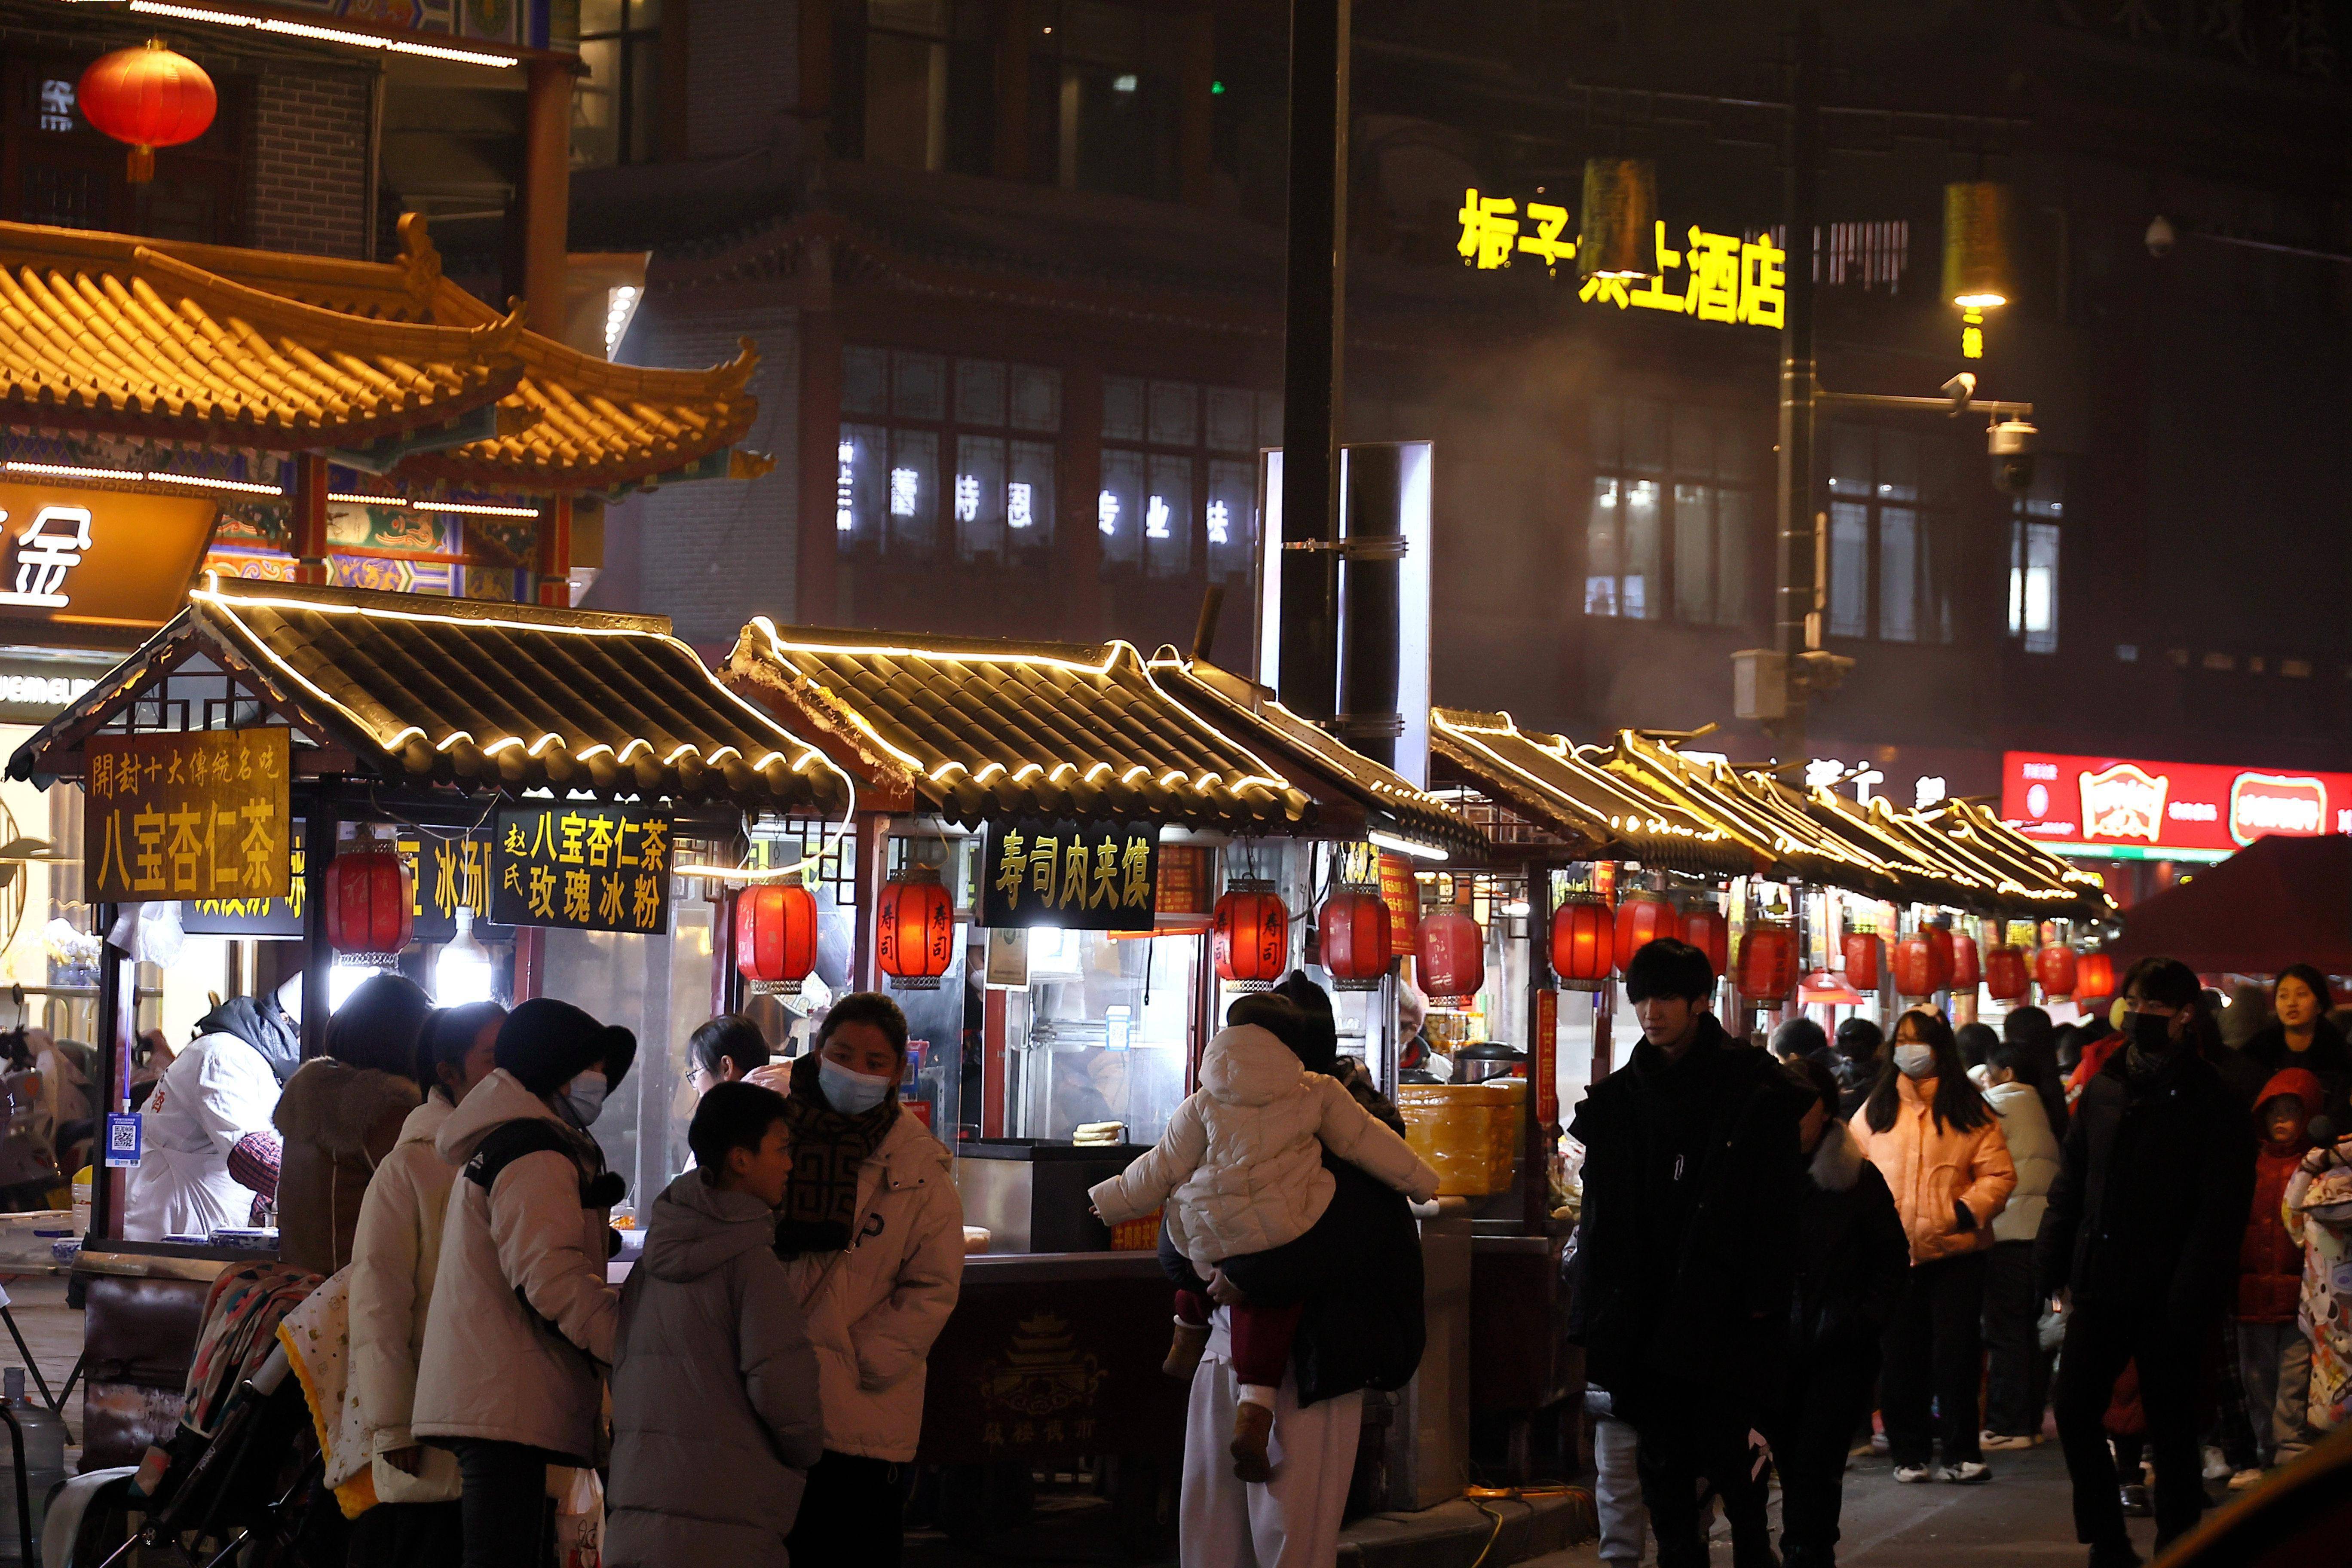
2136	810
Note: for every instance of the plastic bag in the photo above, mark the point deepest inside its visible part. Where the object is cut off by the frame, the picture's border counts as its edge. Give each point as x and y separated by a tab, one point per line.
579	1516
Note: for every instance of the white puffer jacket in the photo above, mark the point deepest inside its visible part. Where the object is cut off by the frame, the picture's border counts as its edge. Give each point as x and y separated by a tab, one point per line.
394	1257
2032	1150
1240	1168
491	1368
874	1310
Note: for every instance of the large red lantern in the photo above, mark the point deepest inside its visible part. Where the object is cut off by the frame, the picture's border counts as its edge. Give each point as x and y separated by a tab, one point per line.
2094	976
1920	968
2053	970
775	937
1865	958
149	97
1452	954
1583	942
2004	973
370	909
1768	962
1355	930
1939	938
1251	940
1707	929
1966	969
914	930
1643	918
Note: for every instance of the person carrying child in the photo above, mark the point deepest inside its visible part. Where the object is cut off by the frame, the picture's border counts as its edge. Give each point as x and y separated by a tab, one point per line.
1240	1171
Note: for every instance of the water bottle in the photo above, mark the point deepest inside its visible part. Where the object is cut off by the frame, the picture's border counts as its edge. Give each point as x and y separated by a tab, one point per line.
44	1462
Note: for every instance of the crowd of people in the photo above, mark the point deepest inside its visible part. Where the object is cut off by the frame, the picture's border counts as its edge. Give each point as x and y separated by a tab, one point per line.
2136	1225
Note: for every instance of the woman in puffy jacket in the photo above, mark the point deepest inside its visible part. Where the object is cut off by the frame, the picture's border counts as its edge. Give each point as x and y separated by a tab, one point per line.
2017	1379
1940	1148
394	1255
341	1115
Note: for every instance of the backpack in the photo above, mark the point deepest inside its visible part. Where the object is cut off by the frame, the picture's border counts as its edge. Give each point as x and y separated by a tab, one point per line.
509	1141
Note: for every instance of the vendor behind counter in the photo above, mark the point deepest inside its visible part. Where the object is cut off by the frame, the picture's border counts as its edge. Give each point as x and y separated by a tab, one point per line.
208	1150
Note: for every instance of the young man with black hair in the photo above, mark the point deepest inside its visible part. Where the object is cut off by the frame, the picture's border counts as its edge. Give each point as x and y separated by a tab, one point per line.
2142	1229
1686	1248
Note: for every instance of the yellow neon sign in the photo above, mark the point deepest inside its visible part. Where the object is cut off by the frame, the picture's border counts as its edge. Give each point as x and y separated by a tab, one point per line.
1727	278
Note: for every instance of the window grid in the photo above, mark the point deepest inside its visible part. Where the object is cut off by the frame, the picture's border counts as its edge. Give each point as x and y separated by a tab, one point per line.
1890	515
2034	537
613	111
1670	524
1178	497
937	452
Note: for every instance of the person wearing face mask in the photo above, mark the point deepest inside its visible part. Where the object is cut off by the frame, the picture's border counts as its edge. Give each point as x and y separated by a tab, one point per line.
1941	1150
2300	1035
871	1232
512	1374
2142	1231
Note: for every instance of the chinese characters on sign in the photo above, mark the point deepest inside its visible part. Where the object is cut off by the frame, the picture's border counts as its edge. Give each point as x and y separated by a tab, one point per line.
1727	278
1036	871
200	814
582	864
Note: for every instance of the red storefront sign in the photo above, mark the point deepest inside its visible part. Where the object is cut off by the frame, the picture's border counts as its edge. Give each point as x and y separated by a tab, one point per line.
2149	809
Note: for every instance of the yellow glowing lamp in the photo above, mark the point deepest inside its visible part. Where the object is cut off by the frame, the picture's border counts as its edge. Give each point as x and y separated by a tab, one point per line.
1976	244
1619	220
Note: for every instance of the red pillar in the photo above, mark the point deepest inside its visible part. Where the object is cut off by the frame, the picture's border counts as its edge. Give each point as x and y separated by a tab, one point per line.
310	540
556	553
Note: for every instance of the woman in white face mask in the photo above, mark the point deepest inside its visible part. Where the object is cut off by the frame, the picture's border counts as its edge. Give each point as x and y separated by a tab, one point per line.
1940	1146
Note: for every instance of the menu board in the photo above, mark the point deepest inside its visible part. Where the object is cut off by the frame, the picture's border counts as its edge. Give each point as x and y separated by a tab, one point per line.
195	814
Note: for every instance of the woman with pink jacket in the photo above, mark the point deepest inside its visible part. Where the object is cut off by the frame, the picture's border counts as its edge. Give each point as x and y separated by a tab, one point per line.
1940	1148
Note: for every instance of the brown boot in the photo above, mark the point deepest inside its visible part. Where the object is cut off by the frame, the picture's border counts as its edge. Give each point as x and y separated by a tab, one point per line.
1184	1349
1253	1424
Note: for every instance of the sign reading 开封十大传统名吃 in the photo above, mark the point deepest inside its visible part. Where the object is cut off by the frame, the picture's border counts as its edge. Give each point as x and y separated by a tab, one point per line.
586	865
193	814
1078	876
1726	278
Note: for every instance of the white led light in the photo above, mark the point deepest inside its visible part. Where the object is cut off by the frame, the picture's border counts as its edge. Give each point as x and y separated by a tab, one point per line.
157	476
1407	846
322	34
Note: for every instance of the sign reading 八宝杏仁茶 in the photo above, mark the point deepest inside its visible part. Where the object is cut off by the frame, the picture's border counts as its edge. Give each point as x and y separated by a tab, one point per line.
194	815
1077	876
585	865
1725	278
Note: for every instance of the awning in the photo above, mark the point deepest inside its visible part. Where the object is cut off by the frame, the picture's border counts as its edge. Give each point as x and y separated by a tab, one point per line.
484	696
2056	886
2280	901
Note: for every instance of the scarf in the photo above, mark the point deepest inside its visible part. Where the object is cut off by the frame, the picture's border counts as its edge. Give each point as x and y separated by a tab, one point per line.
821	1196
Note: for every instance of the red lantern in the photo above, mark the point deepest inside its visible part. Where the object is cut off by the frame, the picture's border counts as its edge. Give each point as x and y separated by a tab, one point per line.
1707	929
1251	940
1452	954
1583	942
1355	929
1768	964
1643	918
150	97
1864	957
1947	963
369	905
914	930
2004	973
775	937
1917	969
1966	969
2094	976
2054	969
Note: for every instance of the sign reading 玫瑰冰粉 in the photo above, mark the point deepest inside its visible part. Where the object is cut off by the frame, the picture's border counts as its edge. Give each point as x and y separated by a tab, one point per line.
2125	808
585	865
1078	876
1725	278
195	815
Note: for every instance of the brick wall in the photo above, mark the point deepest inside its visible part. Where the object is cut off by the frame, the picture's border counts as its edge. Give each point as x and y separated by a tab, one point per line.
310	161
742	62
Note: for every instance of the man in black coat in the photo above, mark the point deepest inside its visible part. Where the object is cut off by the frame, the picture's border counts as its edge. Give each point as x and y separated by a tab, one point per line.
2142	1231
1687	1245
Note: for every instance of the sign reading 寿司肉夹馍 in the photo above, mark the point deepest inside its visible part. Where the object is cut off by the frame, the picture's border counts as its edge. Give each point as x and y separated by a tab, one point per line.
1042	871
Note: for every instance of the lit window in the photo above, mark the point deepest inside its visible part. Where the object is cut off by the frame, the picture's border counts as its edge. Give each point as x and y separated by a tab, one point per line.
2034	543
1667	528
613	108
944	466
905	489
1890	524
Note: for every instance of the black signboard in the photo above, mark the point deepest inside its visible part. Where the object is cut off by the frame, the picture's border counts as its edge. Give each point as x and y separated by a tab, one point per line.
446	870
1079	875
585	865
196	814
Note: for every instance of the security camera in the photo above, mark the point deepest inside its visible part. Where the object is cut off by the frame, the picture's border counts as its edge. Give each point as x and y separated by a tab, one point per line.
2010	445
2161	236
1959	389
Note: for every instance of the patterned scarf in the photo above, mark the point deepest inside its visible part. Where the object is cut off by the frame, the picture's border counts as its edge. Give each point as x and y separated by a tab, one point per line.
821	1197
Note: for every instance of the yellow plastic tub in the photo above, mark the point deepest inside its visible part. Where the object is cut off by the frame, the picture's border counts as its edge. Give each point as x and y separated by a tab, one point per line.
1470	1133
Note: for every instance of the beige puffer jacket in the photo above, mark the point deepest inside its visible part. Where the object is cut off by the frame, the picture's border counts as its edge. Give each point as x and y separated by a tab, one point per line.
491	1368
874	1310
394	1257
1240	1168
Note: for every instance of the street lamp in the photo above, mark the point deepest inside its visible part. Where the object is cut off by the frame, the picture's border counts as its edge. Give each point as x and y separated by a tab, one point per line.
1976	245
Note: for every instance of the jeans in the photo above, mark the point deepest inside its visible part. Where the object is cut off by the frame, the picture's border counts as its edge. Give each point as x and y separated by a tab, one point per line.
508	1519
1829	1397
2017	1381
852	1514
1616	1484
2274	1363
2101	1337
1932	1351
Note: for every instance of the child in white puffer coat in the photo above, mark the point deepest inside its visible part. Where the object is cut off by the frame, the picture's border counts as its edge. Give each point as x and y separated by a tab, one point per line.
1240	1171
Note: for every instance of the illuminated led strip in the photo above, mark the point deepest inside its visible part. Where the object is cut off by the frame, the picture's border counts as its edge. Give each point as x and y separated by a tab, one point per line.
137	476
306	30
470	508
1628	821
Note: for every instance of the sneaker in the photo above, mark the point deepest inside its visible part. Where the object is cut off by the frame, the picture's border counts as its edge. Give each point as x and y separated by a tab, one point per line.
1966	1473
2246	1480
2217	1467
1911	1474
1253	1424
1184	1349
1878	1442
2007	1442
2135	1500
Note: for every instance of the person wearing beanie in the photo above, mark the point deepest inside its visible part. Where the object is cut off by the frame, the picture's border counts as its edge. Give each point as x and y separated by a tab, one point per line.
512	1374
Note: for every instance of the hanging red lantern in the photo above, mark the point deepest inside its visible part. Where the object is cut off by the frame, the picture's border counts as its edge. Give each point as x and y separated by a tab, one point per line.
1966	968
370	907
914	929
1768	964
1583	942
775	937
1354	924
2053	970
1939	938
2004	973
149	97
1918	972
2094	976
1452	954
1251	935
1643	918
1865	958
1707	929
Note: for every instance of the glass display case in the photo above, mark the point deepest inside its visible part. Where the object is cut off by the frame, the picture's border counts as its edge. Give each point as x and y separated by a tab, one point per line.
1101	1034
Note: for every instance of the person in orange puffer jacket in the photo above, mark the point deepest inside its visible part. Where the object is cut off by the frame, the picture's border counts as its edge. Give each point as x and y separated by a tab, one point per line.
1941	1147
2273	1356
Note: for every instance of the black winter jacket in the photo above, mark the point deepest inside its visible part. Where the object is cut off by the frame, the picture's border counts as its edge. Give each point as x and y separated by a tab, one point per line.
2153	1187
2267	1056
1853	1255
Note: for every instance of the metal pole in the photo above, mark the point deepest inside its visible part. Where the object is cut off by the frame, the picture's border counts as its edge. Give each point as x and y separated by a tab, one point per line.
1315	310
1793	601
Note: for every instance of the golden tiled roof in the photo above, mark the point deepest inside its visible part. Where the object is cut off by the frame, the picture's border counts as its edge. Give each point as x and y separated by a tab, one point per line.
110	334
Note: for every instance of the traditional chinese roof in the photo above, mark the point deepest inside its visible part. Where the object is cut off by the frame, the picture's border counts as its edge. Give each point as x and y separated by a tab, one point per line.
487	697
112	334
2060	885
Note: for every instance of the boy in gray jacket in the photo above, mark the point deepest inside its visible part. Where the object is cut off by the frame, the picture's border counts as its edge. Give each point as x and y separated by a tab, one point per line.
715	1414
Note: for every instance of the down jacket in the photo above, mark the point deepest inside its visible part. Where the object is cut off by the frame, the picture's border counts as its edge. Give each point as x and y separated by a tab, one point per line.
2270	1261
339	1123
873	1310
2032	1150
396	1255
494	1367
1930	1165
1240	1168
715	1413
1852	1258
